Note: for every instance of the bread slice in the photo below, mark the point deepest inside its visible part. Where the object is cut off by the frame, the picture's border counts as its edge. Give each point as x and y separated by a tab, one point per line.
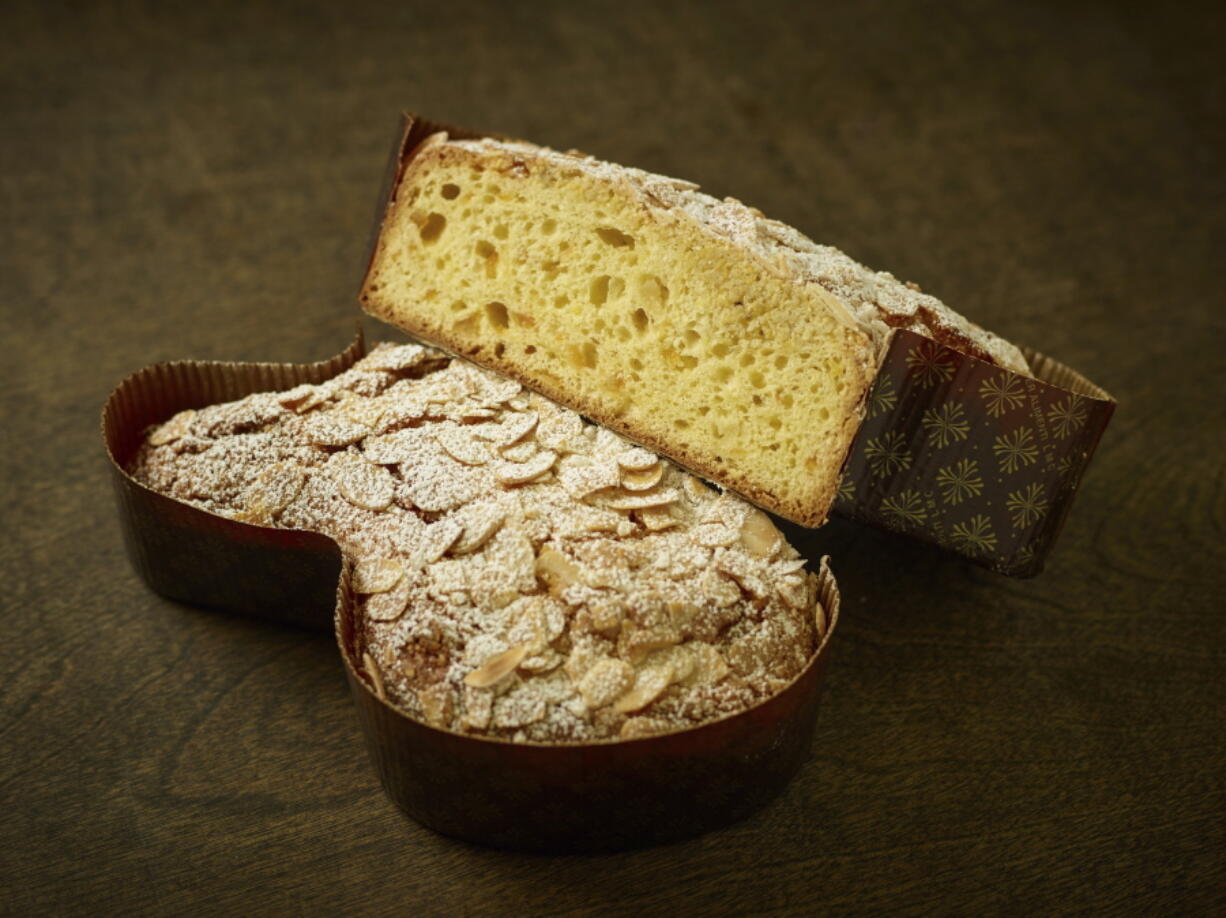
728	342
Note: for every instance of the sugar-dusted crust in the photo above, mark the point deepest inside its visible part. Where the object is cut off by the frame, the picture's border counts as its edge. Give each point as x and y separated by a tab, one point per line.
519	573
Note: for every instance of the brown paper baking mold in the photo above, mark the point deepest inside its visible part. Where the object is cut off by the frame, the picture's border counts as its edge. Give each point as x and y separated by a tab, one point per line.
953	451
527	796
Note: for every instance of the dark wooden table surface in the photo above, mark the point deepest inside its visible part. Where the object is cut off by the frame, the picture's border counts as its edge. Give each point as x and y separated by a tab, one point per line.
188	182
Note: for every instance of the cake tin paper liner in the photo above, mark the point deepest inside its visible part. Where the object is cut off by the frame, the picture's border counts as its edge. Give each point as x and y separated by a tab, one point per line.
963	454
587	797
926	461
528	796
187	554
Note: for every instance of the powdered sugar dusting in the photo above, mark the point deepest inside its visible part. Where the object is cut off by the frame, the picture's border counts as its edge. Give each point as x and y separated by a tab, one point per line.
522	573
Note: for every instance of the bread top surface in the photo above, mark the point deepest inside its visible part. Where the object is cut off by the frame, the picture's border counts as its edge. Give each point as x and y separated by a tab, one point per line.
874	301
521	573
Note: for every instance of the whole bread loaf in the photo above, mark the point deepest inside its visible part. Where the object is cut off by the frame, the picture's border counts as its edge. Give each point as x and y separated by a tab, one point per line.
727	341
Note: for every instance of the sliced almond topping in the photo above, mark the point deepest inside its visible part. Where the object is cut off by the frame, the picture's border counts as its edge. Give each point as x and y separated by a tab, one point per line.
376	678
172	430
512	473
460	446
437	704
401	357
637	460
543	662
638	501
714	535
696	489
562	432
296	397
437	538
273	490
649	684
389	606
516	428
644	479
636	645
376	575
521	451
478	527
707	664
681	614
638	727
657	519
792	591
370	487
556	570
332	429
759	535
819	619
496	668
392	448
581	477
606	680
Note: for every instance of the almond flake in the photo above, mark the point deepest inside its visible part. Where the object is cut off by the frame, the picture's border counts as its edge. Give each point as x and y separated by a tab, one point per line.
389	606
496	668
273	490
296	397
478	527
649	684
696	489
638	727
819	619
376	575
521	452
399	358
461	447
437	538
370	487
376	678
512	473
792	591
584	477
639	500
332	429
759	535
636	645
543	662
393	448
172	430
516	428
637	460
657	519
644	479
707	665
605	681
557	570
478	706
436	703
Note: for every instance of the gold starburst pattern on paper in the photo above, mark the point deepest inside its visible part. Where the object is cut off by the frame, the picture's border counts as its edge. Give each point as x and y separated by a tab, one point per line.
959	481
931	364
975	535
887	454
906	506
847	488
1002	393
946	424
1027	505
884	397
1067	416
1016	450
